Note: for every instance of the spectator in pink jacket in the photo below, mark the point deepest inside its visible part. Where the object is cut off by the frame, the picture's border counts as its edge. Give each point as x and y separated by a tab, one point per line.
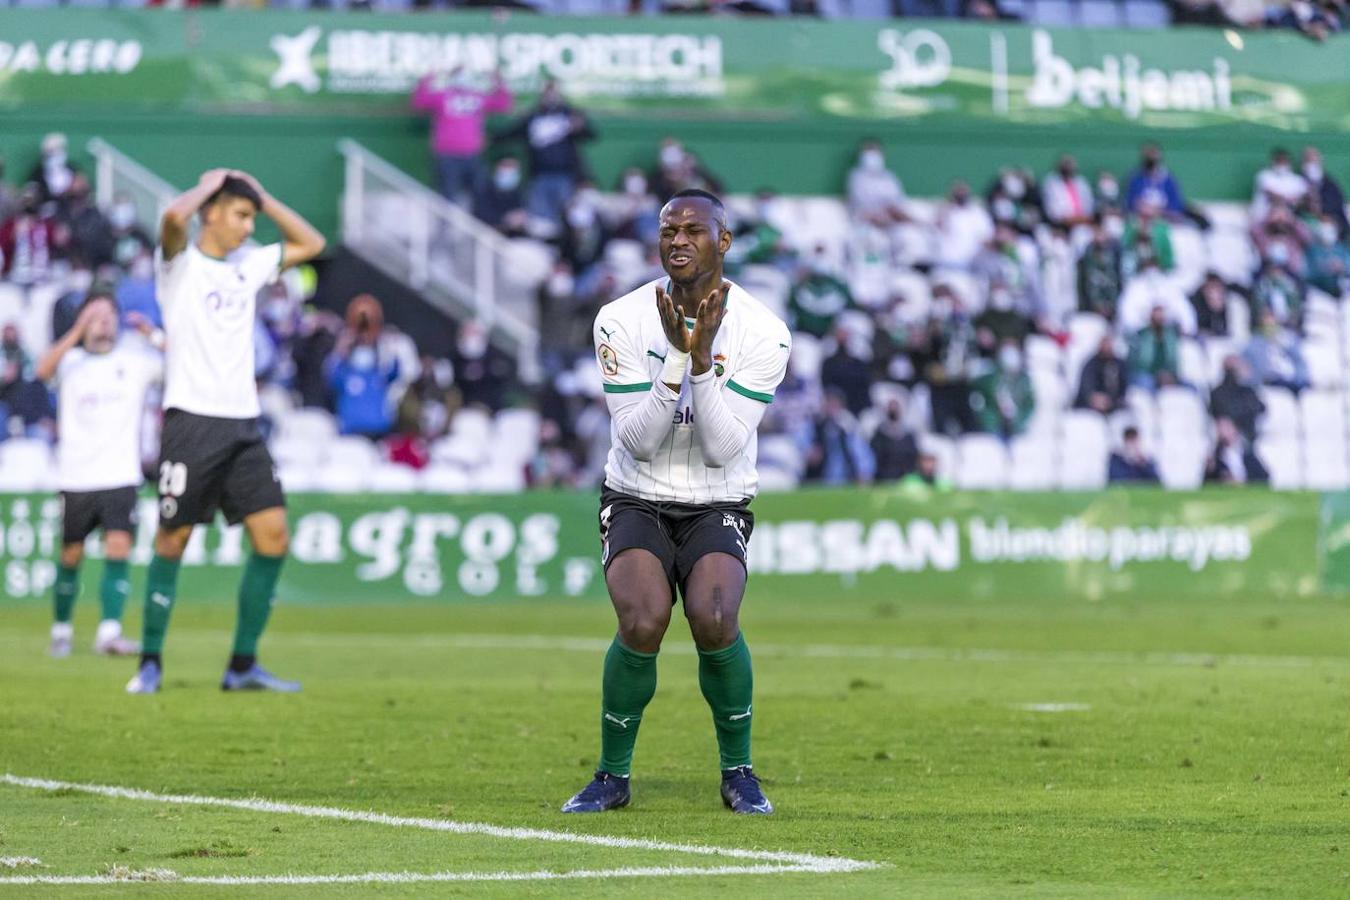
458	107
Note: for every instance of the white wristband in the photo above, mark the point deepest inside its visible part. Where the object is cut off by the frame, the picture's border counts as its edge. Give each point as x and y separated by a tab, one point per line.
677	363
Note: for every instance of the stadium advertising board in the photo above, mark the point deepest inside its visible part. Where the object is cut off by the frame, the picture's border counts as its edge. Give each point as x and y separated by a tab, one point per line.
653	68
808	544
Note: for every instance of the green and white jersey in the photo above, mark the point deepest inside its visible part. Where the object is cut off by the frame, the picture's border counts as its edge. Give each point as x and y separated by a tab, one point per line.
208	306
100	398
750	356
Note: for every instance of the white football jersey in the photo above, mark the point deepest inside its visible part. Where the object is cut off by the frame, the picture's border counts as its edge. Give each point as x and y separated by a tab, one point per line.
208	306
750	356
100	397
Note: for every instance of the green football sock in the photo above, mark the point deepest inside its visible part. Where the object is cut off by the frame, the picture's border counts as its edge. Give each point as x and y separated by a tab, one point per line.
161	585
114	589
628	686
728	682
67	587
256	590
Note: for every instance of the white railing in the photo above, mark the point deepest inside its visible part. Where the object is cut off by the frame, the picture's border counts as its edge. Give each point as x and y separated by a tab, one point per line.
440	250
116	173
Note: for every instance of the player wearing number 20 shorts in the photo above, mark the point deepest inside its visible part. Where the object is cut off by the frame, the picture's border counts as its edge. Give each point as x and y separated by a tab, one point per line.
212	455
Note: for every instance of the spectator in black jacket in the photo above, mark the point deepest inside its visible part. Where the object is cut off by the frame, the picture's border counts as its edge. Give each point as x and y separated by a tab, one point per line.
1233	460
1325	196
1234	398
1130	464
553	132
848	372
500	202
1211	306
893	445
1104	380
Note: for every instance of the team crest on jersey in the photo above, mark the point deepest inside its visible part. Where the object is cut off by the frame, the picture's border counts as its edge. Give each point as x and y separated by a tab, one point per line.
609	360
720	364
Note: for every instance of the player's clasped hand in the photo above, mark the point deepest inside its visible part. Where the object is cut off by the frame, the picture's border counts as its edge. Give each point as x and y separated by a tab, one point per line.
709	319
673	322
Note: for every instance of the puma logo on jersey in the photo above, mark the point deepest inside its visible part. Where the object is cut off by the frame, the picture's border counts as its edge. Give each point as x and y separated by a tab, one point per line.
622	723
609	335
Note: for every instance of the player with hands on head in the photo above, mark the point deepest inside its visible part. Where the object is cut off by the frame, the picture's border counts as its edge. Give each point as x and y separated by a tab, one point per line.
212	453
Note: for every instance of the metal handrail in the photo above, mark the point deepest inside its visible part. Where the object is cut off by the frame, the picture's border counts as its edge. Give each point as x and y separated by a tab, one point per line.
111	164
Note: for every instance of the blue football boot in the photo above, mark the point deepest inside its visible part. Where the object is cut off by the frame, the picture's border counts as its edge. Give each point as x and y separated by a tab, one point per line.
741	792
605	791
256	678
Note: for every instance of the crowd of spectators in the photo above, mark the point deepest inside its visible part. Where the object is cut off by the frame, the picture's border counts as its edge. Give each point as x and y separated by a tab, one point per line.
920	320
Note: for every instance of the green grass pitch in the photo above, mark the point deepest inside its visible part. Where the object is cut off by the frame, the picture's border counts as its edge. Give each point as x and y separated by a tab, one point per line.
1025	746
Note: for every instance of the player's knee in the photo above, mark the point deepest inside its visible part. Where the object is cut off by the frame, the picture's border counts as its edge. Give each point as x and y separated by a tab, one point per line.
71	554
643	631
274	542
172	544
713	628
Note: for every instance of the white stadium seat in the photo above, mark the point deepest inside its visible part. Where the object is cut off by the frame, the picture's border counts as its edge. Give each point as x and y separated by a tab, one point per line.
1323	416
1283	459
982	463
355	452
309	424
1282	417
444	479
1032	467
393	478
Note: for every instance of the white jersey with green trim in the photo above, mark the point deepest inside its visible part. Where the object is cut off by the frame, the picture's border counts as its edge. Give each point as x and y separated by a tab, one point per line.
208	306
750	355
100	401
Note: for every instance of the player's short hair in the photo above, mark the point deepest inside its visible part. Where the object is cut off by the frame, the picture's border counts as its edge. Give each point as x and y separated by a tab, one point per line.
233	187
101	290
700	194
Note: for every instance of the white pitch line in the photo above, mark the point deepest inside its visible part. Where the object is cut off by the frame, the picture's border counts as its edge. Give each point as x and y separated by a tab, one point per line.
800	861
412	877
835	651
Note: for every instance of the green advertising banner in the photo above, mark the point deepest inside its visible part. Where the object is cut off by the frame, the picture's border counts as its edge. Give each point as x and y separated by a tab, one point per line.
661	69
817	545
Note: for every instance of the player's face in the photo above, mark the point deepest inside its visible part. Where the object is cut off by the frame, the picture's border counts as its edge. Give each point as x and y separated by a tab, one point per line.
692	240
230	220
102	333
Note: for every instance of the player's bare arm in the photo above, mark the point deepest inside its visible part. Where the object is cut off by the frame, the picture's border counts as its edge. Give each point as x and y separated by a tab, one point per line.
176	222
301	241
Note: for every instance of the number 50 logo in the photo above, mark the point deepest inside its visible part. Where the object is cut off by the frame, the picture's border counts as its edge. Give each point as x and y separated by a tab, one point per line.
920	58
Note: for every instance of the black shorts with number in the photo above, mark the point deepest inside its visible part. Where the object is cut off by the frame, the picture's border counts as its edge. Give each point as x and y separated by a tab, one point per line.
678	534
113	509
208	464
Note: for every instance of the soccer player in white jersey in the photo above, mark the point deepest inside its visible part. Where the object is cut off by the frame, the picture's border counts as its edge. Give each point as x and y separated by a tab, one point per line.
689	365
101	383
212	454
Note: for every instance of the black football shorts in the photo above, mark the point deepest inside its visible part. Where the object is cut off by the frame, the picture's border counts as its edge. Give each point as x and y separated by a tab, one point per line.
113	509
208	464
678	534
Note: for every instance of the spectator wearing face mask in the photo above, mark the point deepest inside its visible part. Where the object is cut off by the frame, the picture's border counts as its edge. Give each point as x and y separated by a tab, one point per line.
1154	182
1277	290
136	290
677	169
1148	235
53	173
1155	357
1106	194
23	399
893	445
818	296
1274	356
1325	197
875	195
1234	397
963	228
1102	385
635	210
1277	183
1066	195
1100	280
584	233
1011	261
1152	289
759	238
558	320
29	241
1130	464
483	373
1210	302
458	107
1284	230
1329	260
1003	399
500	200
836	452
129	239
1233	461
553	132
359	376
849	370
1014	199
1001	321
91	237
